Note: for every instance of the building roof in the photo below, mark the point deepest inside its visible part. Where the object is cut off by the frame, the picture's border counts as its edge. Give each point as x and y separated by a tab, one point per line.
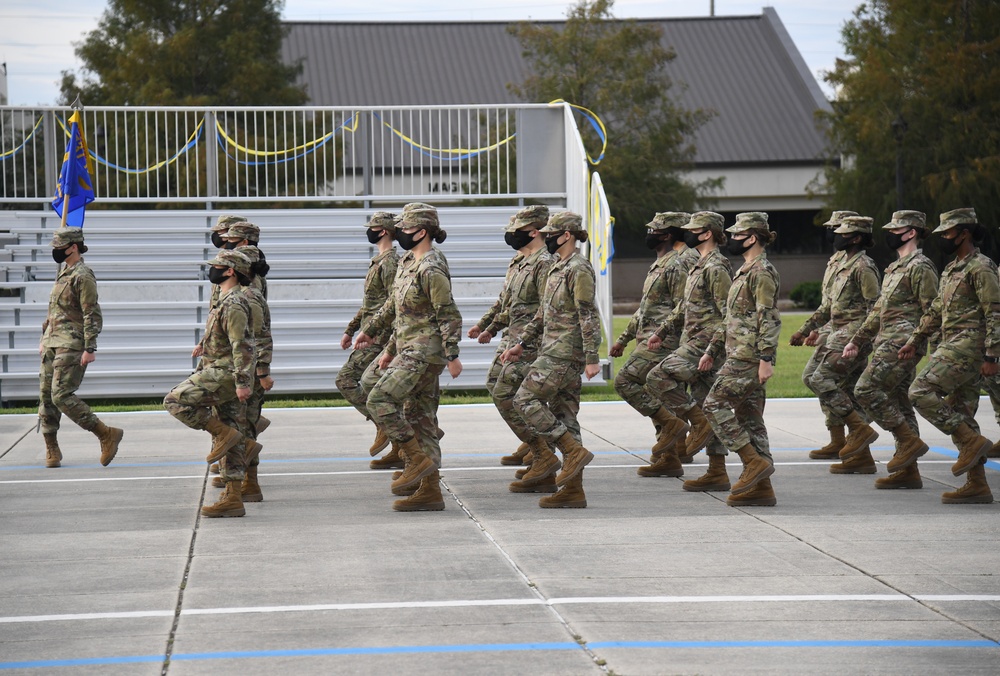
744	68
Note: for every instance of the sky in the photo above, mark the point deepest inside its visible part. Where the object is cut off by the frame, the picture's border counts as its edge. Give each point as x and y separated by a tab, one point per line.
37	36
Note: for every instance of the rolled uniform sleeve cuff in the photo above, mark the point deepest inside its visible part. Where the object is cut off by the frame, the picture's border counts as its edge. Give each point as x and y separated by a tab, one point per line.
592	358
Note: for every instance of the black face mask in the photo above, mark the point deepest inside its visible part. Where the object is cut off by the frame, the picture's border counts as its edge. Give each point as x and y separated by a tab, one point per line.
829	236
230	245
216	275
552	243
406	240
737	246
60	255
654	239
949	247
691	239
844	242
895	240
217	240
373	236
518	239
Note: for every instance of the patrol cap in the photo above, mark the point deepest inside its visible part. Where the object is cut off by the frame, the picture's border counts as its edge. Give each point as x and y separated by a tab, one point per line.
706	220
837	217
382	219
907	219
536	214
419	215
66	236
564	221
853	224
225	221
950	219
243	230
669	219
251	252
230	258
750	220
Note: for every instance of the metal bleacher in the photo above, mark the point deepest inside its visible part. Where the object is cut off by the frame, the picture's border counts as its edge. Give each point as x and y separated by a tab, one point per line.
153	292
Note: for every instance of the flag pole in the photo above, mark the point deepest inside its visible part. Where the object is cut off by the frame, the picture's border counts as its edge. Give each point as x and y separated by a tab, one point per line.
75	106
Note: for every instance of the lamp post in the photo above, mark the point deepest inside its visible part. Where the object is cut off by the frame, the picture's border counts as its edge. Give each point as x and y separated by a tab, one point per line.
898	131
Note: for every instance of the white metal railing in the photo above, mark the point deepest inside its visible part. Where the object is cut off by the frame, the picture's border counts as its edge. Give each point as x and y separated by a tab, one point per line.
600	229
270	154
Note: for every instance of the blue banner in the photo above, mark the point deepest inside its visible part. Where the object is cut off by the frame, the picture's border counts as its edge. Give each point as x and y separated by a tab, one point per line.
74	191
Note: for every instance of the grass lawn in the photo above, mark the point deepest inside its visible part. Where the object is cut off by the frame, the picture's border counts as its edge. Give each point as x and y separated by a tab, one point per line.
786	382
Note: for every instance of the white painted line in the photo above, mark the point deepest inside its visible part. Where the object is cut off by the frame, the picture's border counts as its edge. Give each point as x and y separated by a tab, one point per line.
486	603
110	478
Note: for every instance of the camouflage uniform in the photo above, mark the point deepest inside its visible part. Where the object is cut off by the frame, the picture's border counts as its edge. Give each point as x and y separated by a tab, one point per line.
227	363
377	287
662	291
567	329
966	310
908	289
426	329
697	319
735	405
72	325
853	292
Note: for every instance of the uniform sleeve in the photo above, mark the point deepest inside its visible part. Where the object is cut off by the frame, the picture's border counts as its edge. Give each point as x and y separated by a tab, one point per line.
495	310
381	322
869	284
262	338
870	327
765	292
719	283
237	328
930	323
633	327
818	319
437	286
355	323
590	321
674	322
93	321
988	293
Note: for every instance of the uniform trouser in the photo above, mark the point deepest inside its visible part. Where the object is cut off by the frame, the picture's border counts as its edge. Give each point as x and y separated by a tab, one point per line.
992	385
666	384
59	378
630	383
404	403
496	366
548	399
192	402
883	388
946	391
509	378
735	407
834	378
351	373
244	417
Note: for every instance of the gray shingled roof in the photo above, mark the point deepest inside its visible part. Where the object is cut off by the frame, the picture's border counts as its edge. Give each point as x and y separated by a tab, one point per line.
745	68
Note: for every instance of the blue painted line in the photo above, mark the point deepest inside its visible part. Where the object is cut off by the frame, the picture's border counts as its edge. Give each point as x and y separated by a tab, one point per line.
793	644
494	647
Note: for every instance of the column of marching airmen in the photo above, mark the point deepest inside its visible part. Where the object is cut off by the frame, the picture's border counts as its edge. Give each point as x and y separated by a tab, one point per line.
706	341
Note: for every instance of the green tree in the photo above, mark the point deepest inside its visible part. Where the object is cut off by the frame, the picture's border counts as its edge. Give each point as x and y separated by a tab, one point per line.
933	68
616	68
185	52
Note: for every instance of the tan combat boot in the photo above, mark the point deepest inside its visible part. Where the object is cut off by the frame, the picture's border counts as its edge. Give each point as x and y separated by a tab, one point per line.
994	452
262	424
975	491
427	497
860	435
570	496
908	477
715	479
761	495
391	460
213	468
229	504
250	490
972	446
832	449
218	482
665	463
755	469
862	463
528	459
575	458
671	429
381	442
418	465
909	447
700	435
517	457
544	464
224	438
109	437
545	485
53	456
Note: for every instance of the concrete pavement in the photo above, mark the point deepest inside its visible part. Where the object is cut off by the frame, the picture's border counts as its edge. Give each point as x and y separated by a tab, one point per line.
111	570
